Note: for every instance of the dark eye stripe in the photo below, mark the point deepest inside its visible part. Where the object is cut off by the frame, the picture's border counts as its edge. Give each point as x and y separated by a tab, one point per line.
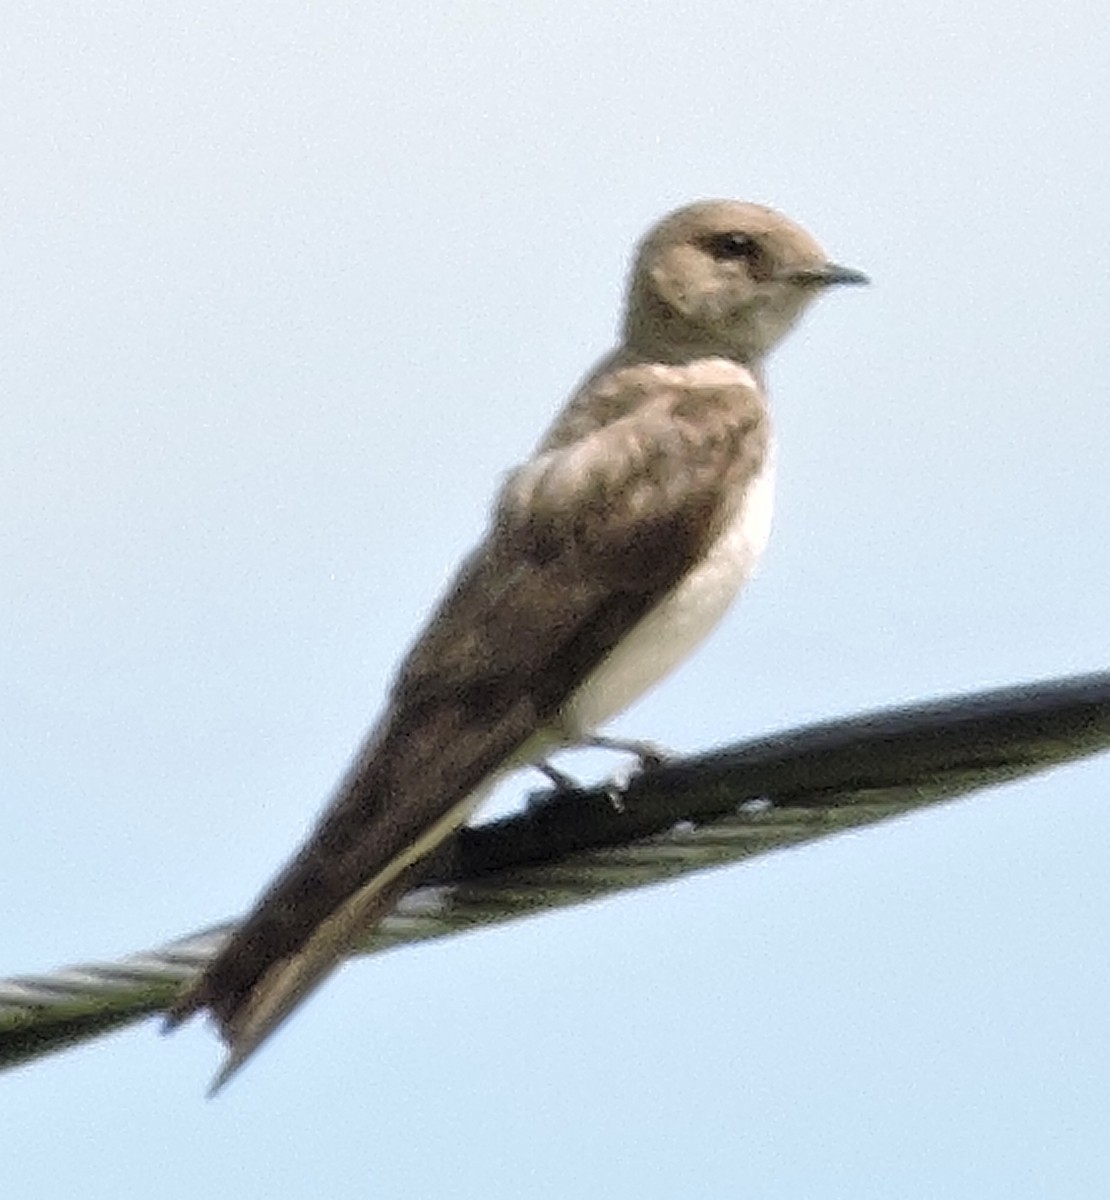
731	246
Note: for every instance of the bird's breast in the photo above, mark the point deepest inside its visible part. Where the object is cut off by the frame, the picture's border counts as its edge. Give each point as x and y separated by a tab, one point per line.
678	624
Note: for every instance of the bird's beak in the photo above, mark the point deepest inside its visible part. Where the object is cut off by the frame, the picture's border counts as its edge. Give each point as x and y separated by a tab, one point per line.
828	275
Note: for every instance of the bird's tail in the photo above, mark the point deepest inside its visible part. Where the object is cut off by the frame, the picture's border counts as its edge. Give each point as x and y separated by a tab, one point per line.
403	796
288	981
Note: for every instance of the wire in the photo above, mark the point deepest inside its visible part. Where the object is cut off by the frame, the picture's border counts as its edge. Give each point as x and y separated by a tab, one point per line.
565	849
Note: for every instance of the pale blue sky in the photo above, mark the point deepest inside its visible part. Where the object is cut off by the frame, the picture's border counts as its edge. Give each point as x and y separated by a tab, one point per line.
285	289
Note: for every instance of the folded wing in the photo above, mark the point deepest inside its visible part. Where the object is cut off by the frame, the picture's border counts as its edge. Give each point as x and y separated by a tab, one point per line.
586	538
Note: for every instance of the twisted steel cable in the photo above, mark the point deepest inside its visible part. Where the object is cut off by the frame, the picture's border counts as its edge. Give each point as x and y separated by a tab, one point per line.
685	816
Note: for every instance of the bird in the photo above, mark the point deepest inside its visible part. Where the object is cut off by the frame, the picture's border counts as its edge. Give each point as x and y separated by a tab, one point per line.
610	554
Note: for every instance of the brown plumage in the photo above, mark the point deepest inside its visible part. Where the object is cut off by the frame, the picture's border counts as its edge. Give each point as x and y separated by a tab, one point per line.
644	483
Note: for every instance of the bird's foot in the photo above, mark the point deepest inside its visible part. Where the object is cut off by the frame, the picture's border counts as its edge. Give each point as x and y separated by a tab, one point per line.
649	755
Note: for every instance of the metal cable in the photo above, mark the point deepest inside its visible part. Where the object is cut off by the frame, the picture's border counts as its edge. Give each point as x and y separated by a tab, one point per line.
687	816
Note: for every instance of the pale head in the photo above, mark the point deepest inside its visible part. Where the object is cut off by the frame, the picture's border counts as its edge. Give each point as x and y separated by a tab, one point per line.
722	277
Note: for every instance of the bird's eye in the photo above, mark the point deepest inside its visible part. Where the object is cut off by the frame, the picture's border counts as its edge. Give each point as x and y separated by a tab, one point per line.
732	246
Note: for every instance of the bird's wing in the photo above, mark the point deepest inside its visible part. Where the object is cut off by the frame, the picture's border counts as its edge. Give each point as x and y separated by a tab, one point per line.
586	539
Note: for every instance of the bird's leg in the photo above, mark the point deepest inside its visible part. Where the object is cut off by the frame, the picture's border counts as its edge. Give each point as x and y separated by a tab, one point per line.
563	786
648	754
561	781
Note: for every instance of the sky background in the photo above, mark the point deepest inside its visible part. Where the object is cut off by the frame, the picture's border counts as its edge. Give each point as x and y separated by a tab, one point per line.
286	289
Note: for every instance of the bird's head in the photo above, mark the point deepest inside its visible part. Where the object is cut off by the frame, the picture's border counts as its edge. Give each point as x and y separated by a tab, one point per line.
723	277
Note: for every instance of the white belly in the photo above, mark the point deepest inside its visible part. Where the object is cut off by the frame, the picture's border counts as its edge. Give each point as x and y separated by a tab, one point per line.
678	624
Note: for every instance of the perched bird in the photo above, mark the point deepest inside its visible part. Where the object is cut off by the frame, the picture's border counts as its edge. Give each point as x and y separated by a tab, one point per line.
610	554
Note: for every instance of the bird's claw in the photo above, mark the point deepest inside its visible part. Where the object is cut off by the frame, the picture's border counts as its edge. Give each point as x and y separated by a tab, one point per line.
649	755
